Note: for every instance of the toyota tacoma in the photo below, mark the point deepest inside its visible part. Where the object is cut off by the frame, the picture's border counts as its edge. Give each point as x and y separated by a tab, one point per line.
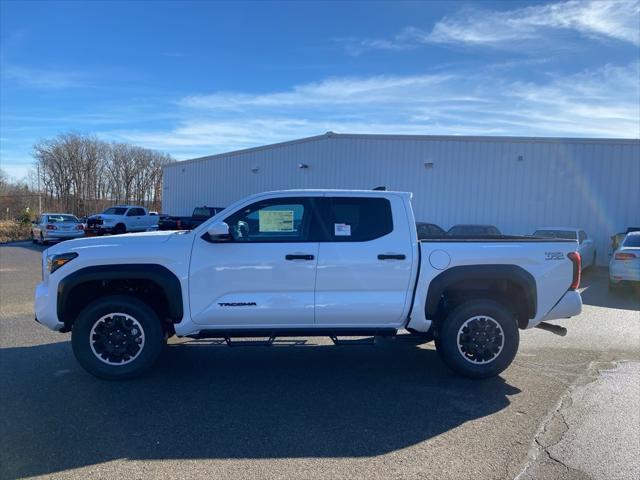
306	263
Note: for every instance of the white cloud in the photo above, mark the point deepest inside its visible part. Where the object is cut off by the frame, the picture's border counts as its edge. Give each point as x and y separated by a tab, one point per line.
599	103
611	19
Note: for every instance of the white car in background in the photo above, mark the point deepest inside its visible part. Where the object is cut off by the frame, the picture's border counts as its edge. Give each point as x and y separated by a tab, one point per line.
54	227
625	262
586	248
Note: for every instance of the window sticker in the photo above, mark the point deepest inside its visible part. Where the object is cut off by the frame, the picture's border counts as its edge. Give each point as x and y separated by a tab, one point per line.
275	220
341	230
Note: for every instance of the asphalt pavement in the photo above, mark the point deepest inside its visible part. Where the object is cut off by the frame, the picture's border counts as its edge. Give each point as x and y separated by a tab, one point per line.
567	407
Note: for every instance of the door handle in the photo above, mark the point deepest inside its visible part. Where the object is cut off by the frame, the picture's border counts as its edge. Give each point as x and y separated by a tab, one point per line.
393	256
298	257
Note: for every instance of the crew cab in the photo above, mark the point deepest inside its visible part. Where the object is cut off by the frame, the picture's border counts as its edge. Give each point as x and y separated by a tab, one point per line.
122	219
199	215
306	263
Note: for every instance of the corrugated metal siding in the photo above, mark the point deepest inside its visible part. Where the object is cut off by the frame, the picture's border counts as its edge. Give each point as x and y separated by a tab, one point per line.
592	185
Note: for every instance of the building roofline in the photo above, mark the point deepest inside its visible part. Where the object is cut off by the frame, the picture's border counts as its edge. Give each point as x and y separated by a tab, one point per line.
376	136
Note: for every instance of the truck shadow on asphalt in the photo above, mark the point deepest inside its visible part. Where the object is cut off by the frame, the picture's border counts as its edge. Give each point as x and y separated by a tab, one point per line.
222	403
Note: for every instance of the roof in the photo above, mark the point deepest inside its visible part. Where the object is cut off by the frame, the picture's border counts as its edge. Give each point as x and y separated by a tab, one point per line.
427	138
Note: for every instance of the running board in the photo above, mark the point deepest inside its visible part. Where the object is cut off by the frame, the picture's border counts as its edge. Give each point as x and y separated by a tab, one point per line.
271	334
249	343
555	329
355	341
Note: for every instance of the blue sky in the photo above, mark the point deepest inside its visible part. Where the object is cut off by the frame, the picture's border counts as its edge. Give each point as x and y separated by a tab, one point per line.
197	78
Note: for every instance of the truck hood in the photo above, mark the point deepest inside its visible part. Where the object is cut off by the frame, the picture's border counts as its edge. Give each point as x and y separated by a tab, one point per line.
102	216
139	240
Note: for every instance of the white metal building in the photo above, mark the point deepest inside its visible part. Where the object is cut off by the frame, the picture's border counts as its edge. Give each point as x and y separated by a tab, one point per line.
515	183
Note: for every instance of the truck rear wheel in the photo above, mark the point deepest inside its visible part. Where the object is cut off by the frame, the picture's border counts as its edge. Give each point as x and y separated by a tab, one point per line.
478	339
117	337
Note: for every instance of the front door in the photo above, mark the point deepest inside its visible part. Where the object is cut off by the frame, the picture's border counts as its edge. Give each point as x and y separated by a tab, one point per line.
264	276
365	266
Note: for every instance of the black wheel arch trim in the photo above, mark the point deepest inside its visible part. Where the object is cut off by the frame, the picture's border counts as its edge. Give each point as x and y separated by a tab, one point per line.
160	275
454	275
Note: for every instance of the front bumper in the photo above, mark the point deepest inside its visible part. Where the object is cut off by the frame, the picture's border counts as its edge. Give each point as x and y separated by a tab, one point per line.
100	229
46	302
569	305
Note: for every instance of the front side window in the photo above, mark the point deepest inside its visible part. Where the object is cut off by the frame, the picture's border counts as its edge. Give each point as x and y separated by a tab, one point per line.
273	220
115	211
352	219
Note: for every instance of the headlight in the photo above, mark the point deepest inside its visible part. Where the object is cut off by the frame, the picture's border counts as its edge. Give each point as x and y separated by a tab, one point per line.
54	262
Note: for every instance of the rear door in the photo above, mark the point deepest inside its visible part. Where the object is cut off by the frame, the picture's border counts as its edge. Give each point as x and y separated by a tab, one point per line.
365	263
265	276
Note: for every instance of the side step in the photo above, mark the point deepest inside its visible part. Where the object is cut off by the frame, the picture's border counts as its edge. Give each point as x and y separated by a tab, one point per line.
355	341
266	337
250	343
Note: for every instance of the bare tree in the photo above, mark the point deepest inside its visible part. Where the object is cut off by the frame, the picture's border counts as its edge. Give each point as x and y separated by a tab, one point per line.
82	174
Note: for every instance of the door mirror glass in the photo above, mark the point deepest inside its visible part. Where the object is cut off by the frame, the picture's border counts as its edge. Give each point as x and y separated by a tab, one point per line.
218	231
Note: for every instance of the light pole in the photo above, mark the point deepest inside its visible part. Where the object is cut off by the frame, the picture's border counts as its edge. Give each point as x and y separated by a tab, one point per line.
39	195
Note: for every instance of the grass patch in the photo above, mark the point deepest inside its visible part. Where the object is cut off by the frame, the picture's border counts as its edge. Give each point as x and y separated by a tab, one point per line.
12	231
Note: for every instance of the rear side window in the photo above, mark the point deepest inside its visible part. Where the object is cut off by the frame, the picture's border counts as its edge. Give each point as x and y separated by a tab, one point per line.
353	219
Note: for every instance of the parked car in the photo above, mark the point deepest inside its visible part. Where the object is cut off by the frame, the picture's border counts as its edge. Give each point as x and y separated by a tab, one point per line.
586	248
624	266
122	219
426	230
616	239
306	263
54	227
199	215
474	230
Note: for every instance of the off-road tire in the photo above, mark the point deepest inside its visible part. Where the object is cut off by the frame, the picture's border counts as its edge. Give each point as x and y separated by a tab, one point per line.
86	347
474	352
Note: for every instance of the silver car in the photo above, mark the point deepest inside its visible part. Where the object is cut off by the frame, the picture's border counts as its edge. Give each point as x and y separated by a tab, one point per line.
54	227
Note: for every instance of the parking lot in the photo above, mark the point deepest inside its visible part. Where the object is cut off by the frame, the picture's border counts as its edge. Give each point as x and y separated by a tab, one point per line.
567	407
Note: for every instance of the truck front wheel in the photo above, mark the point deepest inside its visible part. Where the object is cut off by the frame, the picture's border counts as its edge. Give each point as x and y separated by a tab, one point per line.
117	337
478	339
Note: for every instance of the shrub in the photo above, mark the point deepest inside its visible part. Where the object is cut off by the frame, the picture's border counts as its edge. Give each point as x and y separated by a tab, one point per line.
12	231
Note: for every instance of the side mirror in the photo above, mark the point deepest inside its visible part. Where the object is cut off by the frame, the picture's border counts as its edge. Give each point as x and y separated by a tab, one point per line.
218	232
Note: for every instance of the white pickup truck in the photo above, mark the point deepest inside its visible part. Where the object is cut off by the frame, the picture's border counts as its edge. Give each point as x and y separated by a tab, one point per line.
122	219
305	263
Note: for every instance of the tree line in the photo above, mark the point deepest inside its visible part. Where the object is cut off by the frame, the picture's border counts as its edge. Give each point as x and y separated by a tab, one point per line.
81	174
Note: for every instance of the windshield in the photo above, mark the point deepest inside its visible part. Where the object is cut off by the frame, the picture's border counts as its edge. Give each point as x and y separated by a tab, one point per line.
62	219
564	234
203	212
115	211
632	241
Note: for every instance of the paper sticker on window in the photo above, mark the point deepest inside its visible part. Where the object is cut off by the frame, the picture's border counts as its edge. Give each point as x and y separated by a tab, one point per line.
275	220
341	230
